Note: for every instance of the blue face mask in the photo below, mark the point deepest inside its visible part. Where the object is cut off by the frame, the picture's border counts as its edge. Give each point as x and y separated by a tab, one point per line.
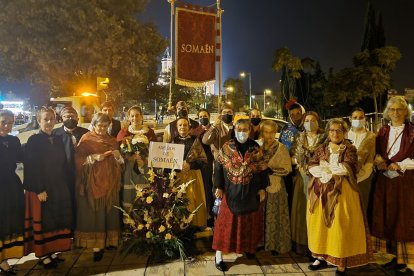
241	136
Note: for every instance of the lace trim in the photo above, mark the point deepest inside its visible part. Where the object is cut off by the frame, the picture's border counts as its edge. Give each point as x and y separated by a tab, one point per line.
142	131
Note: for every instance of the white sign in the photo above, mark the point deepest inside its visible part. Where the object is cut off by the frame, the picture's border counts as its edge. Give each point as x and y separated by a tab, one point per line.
166	155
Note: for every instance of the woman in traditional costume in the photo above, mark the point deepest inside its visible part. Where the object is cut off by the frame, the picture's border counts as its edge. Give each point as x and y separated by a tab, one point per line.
364	141
11	195
49	211
392	221
276	161
194	159
337	229
303	148
136	163
239	225
99	169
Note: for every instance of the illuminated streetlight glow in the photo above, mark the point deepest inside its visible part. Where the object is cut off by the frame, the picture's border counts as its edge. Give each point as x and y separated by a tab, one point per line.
268	92
243	75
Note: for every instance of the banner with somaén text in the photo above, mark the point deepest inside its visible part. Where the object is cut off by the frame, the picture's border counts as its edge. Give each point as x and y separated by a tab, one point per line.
195	41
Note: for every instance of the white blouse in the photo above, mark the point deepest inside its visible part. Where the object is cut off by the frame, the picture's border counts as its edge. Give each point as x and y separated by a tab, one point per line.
394	148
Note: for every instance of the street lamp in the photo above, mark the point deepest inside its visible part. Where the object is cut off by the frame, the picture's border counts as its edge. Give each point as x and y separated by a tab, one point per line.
229	89
266	91
243	75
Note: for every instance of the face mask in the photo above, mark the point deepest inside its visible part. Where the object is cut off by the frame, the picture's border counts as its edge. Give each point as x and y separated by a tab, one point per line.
310	126
204	121
358	123
241	136
227	118
255	121
70	123
182	113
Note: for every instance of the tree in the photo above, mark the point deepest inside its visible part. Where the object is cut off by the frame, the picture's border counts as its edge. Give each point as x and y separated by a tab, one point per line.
369	78
235	93
284	61
68	44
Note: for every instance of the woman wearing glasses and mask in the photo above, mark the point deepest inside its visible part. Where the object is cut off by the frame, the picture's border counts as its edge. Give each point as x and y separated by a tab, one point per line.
337	230
392	220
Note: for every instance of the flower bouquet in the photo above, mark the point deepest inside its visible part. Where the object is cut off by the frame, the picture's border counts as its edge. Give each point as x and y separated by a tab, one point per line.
137	143
159	221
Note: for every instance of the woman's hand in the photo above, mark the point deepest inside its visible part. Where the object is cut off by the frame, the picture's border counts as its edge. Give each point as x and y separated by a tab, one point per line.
263	166
42	196
186	167
394	167
219	193
382	166
262	195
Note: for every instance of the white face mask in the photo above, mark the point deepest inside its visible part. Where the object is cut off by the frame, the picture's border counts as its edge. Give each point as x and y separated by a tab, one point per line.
310	126
358	123
241	136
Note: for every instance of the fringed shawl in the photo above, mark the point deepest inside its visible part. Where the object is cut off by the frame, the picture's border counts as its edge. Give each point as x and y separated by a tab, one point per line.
100	180
329	192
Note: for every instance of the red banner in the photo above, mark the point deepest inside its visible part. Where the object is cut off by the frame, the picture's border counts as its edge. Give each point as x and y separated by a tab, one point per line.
195	51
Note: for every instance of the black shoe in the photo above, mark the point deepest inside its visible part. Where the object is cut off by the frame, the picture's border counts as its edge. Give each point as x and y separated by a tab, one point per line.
322	264
394	265
250	255
338	272
221	265
52	264
58	259
274	252
97	256
9	271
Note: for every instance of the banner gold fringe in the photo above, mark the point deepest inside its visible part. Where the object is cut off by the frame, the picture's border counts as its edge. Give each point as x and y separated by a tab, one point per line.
191	83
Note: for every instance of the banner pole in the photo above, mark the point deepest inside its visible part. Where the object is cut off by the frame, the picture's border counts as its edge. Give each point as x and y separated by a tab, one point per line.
172	55
219	12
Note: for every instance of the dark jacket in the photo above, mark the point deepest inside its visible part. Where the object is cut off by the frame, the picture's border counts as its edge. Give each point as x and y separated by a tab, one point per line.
240	181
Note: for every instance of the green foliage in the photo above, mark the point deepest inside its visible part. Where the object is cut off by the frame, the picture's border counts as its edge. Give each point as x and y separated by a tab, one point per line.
235	93
369	78
270	112
284	61
67	44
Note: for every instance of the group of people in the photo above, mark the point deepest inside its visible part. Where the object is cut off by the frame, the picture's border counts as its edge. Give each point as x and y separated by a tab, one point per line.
335	195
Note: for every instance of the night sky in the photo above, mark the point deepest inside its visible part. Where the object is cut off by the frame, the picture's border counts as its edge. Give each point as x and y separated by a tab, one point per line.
329	31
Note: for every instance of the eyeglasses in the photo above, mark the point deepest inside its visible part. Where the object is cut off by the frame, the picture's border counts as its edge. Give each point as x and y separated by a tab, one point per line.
339	131
398	110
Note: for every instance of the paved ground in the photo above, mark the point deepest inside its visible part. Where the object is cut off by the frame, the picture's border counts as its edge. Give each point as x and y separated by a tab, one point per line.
79	262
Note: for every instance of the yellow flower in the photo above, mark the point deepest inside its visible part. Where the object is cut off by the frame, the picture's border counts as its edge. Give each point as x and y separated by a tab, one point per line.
148	225
149	199
148	235
161	229
165	195
151	175
139	192
140	226
168	236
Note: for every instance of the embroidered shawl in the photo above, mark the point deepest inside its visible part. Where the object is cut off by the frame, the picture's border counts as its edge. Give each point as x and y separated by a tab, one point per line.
100	180
328	192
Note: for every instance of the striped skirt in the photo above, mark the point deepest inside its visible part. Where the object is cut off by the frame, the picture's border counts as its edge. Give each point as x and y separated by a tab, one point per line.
37	241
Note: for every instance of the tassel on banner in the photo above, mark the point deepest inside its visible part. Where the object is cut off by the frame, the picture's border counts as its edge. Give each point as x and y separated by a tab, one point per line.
191	84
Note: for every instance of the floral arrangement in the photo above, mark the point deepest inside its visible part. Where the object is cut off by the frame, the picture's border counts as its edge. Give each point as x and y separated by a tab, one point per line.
159	221
137	143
